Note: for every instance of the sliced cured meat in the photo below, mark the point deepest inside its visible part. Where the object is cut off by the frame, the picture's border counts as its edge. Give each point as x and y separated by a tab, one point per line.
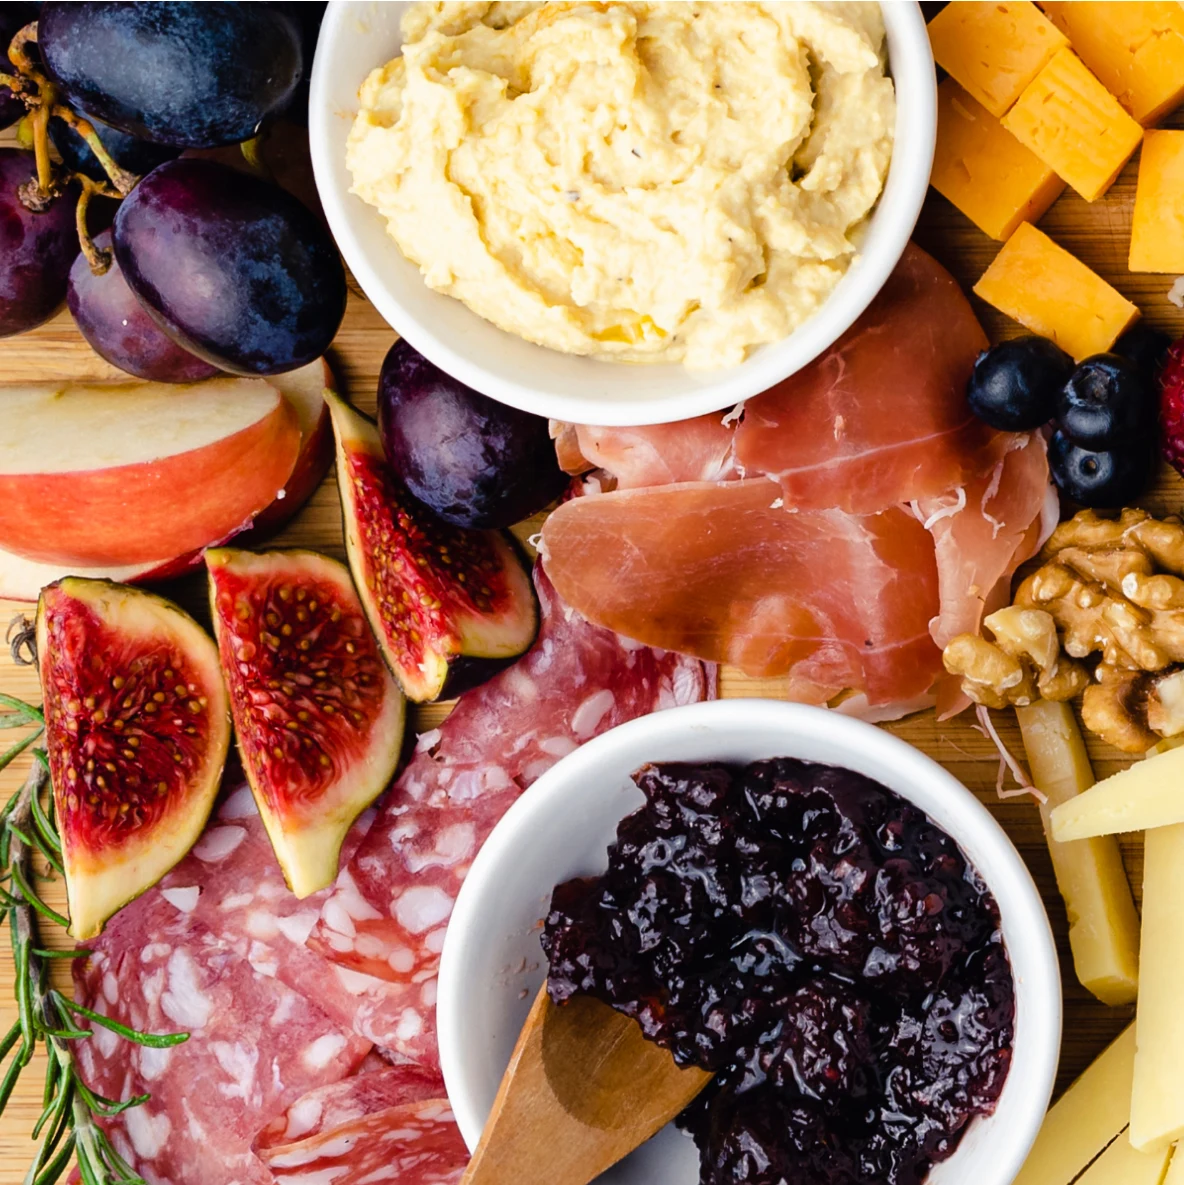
232	884
691	450
725	572
388	913
880	417
567	448
982	532
345	1102
255	1046
415	1144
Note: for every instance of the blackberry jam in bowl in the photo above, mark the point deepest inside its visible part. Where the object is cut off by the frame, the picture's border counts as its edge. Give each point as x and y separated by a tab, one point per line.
801	904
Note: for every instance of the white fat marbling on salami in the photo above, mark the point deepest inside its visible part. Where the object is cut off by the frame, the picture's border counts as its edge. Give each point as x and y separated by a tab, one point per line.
386	915
217	843
184	899
210	1095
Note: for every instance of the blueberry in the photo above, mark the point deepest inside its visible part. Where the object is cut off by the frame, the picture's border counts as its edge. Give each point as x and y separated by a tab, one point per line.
1143	346
1014	385
1108	478
1106	402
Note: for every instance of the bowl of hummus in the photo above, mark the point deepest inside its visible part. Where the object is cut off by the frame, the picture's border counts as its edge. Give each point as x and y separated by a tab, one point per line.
622	213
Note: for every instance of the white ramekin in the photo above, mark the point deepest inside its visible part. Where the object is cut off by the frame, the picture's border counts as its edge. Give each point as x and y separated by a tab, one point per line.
492	963
358	35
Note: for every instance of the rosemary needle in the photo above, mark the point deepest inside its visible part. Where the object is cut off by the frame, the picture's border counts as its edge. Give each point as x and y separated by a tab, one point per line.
69	1126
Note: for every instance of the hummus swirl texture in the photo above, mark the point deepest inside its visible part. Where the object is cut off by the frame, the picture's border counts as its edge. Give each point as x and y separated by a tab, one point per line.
641	181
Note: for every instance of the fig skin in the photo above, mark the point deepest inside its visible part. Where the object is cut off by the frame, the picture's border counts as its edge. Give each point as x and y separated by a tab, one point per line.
475	462
317	715
434	593
137	728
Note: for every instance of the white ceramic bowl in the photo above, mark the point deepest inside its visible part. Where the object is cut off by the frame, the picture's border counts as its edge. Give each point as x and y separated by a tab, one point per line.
358	35
492	963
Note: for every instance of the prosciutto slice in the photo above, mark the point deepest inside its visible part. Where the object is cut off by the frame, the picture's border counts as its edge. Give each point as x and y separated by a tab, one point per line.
255	1046
880	417
830	599
388	913
691	450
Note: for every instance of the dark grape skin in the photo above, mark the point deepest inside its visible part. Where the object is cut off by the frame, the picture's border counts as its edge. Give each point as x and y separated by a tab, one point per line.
120	330
234	269
475	462
14	16
130	153
195	75
36	250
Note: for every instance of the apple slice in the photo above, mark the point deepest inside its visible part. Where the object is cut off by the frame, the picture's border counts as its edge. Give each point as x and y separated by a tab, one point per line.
23	579
99	475
305	390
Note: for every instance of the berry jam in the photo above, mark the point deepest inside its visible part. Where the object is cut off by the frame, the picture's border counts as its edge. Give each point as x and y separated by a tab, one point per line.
818	944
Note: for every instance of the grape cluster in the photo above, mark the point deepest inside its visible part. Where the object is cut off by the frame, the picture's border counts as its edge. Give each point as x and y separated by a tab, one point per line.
206	268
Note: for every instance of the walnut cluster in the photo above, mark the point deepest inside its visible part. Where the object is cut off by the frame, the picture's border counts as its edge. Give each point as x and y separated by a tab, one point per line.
1103	618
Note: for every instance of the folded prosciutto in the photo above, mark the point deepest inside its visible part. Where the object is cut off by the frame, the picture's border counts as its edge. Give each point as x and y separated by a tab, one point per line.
836	532
833	599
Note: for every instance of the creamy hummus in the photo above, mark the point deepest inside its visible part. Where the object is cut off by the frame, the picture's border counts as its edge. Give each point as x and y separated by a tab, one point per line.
647	182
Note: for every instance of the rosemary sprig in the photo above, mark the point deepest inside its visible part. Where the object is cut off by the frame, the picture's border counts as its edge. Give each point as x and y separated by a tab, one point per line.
69	1124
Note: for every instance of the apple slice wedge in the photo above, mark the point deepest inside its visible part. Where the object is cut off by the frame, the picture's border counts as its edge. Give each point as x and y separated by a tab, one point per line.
23	579
98	475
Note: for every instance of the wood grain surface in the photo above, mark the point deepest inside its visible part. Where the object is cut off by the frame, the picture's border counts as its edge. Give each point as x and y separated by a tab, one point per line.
1096	233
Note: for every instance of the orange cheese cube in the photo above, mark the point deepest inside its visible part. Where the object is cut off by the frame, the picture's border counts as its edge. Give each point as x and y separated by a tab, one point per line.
1157	233
1075	125
984	170
993	50
1050	292
1135	49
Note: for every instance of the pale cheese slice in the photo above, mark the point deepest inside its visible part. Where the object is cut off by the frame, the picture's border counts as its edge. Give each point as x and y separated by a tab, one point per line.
1175	1173
1121	1164
1086	1120
1149	794
1157	1093
1103	924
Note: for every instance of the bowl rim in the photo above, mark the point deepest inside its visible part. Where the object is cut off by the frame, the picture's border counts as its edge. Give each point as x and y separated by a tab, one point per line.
1035	968
691	393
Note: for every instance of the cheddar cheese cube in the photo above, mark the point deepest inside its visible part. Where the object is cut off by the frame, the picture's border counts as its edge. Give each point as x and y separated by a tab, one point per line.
1157	232
993	50
1135	49
1075	125
1051	292
1157	1090
984	170
1086	1119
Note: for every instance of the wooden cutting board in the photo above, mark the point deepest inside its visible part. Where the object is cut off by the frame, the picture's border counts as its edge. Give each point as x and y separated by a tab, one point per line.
1098	234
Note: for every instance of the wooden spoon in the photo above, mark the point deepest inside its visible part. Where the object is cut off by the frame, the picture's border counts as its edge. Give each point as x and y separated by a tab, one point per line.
582	1090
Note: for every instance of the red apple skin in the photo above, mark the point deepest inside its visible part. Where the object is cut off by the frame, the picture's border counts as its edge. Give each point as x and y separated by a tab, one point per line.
22	579
316	452
131	514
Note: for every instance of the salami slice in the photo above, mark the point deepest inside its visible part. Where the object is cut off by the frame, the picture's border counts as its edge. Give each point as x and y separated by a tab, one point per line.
376	1087
414	1144
255	1046
387	915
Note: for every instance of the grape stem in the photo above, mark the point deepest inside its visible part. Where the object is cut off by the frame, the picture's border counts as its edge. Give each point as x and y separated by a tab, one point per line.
98	259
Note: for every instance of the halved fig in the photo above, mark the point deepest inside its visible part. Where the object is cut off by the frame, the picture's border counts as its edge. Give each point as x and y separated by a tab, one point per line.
434	593
318	717
137	727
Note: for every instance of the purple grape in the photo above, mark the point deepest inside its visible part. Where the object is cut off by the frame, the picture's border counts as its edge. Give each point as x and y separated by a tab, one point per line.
120	330
36	250
475	462
234	269
192	75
